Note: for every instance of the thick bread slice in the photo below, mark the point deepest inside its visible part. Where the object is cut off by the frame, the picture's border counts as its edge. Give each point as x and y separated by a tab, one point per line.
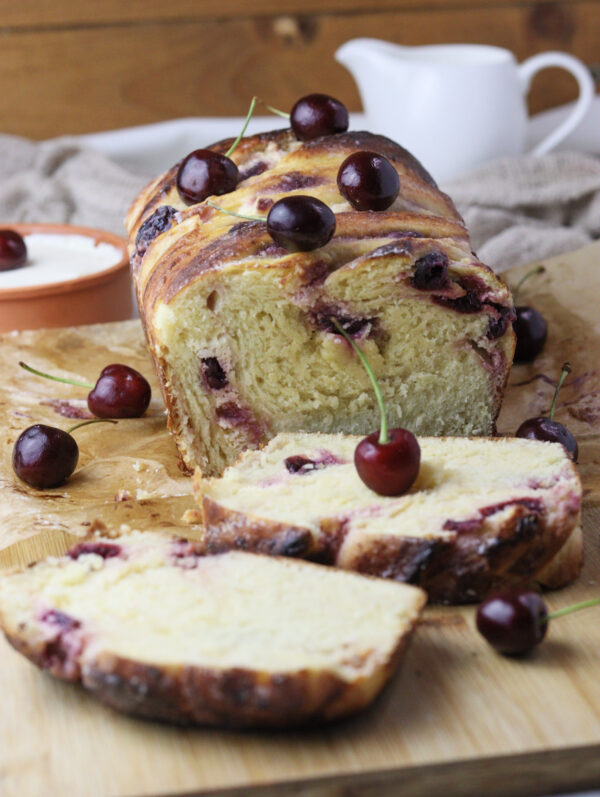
241	331
154	628
482	514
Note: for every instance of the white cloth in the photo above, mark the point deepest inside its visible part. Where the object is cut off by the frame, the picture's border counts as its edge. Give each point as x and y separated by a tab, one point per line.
517	209
523	209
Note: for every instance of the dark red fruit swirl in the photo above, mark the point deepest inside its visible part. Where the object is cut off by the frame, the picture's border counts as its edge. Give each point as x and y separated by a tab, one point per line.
318	115
388	463
515	621
368	181
13	250
120	391
549	430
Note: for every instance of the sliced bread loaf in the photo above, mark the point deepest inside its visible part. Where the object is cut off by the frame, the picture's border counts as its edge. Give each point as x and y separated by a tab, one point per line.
483	512
242	330
154	628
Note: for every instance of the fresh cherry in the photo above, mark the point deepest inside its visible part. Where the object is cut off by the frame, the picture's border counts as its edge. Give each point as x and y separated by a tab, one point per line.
44	456
531	330
549	430
318	115
205	173
513	622
301	223
119	392
13	251
387	462
368	181
529	325
391	467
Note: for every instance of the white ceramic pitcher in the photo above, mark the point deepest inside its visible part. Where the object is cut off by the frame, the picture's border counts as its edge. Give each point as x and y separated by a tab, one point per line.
455	106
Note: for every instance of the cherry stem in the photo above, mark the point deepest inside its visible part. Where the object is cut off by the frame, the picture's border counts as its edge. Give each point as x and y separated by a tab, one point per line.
243	130
574	608
233	213
383	431
566	369
275	110
538	270
54	378
87	423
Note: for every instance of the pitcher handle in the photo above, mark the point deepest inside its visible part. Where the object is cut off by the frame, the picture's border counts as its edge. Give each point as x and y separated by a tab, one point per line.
586	92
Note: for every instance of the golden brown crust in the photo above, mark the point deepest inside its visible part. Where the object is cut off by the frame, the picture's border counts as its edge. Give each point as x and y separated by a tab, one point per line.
162	190
461	568
235	697
566	565
232	698
227	530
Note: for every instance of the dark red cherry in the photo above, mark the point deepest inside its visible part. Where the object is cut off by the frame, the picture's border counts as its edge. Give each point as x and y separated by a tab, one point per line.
388	468
318	115
531	330
549	430
120	392
13	251
542	428
368	181
513	621
205	173
301	223
44	456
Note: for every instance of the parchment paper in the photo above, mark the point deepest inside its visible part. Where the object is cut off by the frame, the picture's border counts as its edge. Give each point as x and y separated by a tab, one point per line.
128	473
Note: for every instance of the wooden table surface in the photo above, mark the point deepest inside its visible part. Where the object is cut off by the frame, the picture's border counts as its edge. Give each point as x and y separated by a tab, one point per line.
457	718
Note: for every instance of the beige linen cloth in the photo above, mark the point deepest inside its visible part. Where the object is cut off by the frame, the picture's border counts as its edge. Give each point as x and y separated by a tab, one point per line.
517	209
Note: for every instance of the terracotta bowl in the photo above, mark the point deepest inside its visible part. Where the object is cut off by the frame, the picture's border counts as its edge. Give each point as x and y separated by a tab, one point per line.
102	296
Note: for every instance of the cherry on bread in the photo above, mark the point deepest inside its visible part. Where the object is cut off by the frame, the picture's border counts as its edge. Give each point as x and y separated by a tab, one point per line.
387	462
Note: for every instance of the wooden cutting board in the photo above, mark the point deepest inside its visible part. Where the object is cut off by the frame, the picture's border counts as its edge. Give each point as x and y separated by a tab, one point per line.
457	717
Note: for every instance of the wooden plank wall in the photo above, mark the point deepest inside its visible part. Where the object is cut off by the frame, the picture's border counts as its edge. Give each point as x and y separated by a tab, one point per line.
75	66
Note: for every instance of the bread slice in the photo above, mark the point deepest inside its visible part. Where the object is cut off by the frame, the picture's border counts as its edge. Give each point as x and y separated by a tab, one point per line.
154	628
241	331
482	514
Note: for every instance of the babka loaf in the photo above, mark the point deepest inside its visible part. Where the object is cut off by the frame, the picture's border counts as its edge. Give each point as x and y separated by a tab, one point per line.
482	514
241	329
154	628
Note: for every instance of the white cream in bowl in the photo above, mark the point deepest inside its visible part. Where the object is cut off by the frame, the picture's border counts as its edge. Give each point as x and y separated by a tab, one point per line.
55	257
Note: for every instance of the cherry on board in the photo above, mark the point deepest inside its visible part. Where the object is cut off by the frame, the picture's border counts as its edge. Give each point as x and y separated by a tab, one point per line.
120	391
513	621
546	429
